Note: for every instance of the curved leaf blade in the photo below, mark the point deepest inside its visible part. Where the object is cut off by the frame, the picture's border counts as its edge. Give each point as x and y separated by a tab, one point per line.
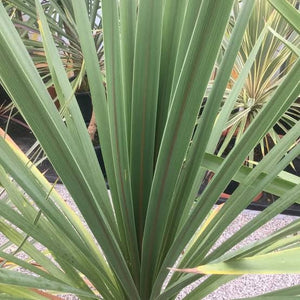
283	262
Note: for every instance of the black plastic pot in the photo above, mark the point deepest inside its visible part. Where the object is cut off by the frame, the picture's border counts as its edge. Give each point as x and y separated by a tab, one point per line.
4	98
100	160
85	104
295	169
265	201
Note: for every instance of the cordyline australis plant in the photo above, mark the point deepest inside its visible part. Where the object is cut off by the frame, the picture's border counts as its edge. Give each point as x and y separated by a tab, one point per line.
159	56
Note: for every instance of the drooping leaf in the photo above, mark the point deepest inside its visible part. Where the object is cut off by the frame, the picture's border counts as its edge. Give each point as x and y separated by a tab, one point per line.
282	262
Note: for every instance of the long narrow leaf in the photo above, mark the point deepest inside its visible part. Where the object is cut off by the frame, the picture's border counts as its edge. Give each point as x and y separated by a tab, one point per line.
274	263
117	115
144	105
288	12
13	278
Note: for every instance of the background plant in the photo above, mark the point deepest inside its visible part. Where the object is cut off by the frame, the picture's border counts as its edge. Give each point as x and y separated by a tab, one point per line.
158	60
272	61
60	17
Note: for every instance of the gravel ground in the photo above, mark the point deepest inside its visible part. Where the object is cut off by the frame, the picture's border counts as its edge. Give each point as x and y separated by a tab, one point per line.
252	285
245	286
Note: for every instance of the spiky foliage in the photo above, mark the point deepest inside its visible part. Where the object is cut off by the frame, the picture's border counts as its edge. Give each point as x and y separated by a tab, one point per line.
150	219
272	61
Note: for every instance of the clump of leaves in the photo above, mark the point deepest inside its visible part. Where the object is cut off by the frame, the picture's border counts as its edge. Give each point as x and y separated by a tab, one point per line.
158	61
272	61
